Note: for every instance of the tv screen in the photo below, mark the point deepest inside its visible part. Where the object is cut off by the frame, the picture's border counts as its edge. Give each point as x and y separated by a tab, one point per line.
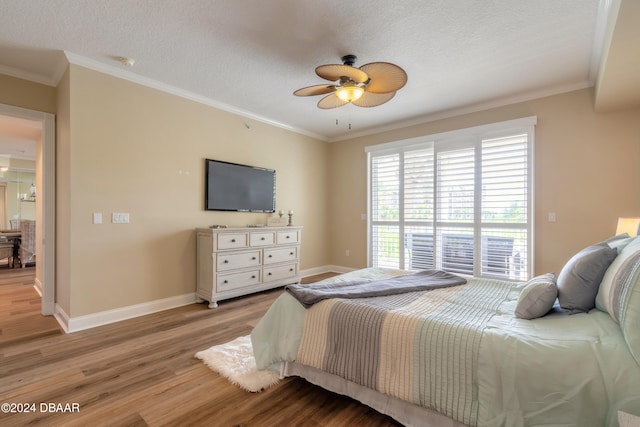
236	187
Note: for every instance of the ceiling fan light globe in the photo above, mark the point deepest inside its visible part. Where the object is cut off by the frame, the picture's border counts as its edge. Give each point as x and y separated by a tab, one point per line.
350	93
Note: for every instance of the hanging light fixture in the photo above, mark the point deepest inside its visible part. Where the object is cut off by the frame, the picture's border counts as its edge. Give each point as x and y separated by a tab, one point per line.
350	91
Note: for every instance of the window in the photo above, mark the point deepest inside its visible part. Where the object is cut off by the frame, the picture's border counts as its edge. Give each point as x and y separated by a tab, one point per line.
458	201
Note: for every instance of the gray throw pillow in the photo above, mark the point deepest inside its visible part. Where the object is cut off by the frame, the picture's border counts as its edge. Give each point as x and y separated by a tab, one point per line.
537	297
580	278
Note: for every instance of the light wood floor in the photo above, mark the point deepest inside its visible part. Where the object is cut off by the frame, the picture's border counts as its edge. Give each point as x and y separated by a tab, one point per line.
141	372
20	317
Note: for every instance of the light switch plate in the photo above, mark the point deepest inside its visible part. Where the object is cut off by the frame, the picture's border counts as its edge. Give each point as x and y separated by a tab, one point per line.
119	218
97	218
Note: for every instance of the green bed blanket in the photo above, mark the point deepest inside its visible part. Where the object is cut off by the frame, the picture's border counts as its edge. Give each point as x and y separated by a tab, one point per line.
474	361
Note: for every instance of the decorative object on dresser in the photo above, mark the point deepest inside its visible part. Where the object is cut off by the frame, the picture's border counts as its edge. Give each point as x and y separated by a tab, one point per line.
232	262
274	221
277	221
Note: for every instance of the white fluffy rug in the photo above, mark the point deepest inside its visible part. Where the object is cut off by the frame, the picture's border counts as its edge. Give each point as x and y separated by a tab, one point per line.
234	361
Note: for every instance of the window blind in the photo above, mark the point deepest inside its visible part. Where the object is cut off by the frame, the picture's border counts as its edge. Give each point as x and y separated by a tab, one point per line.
458	202
385	210
505	206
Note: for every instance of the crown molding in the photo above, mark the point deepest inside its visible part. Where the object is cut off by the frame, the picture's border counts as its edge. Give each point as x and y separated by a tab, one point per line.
155	84
502	102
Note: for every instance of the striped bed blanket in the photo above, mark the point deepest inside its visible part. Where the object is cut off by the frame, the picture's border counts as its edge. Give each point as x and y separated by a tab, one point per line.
421	347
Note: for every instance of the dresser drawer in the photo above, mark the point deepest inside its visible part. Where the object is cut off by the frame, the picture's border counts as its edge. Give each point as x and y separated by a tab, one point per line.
261	239
230	281
285	237
231	261
231	241
276	255
279	272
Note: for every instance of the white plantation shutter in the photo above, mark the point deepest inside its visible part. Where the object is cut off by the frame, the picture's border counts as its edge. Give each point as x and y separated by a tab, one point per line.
385	210
419	208
459	202
419	186
455	198
505	206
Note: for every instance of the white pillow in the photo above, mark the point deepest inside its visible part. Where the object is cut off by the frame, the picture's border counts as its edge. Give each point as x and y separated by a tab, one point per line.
537	297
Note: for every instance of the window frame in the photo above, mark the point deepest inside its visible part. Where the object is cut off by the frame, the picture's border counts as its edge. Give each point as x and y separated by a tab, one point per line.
448	141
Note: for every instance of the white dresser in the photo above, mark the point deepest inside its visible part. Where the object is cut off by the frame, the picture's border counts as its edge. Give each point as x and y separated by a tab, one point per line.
239	261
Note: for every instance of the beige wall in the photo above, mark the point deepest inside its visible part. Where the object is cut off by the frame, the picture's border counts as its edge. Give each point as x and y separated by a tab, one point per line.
26	94
587	171
122	147
138	150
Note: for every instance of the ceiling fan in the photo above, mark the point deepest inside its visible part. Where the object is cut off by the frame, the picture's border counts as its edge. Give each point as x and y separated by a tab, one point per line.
371	85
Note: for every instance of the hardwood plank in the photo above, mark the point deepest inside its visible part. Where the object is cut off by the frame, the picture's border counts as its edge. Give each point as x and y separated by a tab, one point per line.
20	318
142	372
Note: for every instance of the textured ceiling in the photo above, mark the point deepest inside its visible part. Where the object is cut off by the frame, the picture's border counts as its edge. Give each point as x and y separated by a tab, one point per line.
249	56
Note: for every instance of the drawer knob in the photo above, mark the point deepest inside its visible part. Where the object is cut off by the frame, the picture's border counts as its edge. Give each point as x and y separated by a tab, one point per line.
262	238
233	240
269	274
291	269
290	253
270	256
253	277
226	261
288	237
253	258
225	281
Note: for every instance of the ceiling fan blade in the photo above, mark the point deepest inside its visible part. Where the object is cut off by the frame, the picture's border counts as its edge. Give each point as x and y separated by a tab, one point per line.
385	77
331	101
333	72
315	90
369	99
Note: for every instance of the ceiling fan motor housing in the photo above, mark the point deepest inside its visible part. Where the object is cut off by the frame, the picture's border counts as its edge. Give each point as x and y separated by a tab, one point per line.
349	60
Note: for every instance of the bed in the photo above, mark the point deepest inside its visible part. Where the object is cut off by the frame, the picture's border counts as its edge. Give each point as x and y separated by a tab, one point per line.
458	355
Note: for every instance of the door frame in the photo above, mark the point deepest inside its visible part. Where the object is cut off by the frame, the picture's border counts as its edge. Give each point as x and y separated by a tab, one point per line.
46	202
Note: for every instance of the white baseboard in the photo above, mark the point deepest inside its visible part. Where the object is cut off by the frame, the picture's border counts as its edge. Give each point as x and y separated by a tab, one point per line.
37	285
74	324
62	317
47	309
325	269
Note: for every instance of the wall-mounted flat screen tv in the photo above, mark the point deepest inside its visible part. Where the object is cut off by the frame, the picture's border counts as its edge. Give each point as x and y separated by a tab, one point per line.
237	187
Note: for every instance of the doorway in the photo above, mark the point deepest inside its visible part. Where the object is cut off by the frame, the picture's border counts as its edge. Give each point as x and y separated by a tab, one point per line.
44	198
